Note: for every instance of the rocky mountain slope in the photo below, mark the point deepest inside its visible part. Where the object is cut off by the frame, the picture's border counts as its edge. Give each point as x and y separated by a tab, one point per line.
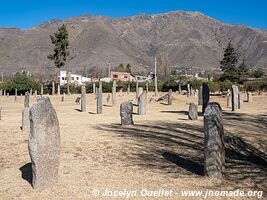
184	38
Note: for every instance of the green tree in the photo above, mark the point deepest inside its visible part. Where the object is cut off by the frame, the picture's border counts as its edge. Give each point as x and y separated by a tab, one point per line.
60	40
243	71
228	64
129	68
121	67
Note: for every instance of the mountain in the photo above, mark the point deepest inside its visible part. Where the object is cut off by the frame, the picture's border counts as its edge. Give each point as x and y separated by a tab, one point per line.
188	39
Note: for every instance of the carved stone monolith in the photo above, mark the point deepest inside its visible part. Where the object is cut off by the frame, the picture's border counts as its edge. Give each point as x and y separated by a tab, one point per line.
170	97
205	96
234	94
142	99
193	111
126	113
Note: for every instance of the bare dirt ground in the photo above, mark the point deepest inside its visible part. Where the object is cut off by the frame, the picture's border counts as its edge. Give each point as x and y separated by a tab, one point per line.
163	150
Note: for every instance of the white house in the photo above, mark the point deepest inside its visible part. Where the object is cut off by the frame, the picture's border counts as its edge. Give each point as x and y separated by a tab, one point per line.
77	79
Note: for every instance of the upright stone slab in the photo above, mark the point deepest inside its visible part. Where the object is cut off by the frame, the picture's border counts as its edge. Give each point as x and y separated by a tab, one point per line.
35	93
180	89
53	87
142	104
99	106
4	92
205	96
16	94
42	90
114	93
27	100
193	111
188	90
58	89
140	91
234	94
137	89
83	99
44	144
240	100
147	87
63	97
1	92
170	97
228	100
214	147
249	97
25	119
94	88
200	98
129	88
126	113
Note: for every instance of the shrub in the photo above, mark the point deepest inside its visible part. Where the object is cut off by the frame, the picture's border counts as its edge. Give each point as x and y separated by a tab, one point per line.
258	85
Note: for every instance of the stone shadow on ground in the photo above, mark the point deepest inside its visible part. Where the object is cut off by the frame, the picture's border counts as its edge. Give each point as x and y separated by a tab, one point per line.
26	172
177	149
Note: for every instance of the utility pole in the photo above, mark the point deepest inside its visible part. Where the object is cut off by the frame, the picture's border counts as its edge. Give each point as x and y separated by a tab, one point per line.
156	78
2	77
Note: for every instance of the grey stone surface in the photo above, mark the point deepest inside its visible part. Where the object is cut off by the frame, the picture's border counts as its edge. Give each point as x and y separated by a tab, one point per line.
16	94
142	99
99	104
42	89
94	88
193	111
27	100
58	89
137	89
140	91
249	97
205	96
188	90
114	89
128	88
214	147
44	143
240	100
4	92
200	99
108	98
234	94
35	93
1	92
180	89
126	113
25	119
83	99
53	87
228	100
170	97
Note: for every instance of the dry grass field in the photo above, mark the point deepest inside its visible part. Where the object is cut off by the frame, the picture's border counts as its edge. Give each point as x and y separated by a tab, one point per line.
163	150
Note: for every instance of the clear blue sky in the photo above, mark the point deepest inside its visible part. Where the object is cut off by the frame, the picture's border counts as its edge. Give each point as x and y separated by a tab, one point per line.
27	13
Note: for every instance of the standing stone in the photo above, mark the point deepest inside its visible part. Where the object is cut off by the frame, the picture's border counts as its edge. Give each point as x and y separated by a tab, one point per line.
114	93
249	97
170	97
193	111
188	90
228	100
126	113
58	89
1	92
129	88
25	119
99	107
214	148
200	98
147	87
35	93
44	144
30	92
240	100
4	92
140	91
27	100
63	97
234	94
94	89
205	96
16	94
42	90
7	94
180	89
53	87
137	89
142	104
83	99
